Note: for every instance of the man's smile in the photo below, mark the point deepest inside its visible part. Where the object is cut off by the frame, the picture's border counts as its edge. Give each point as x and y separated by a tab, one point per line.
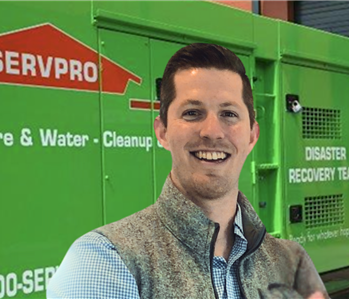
211	156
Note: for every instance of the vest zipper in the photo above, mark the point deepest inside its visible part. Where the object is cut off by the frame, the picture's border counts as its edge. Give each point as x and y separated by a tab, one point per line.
243	257
213	243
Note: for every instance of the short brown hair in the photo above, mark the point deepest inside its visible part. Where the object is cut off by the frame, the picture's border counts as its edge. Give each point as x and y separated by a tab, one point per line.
206	56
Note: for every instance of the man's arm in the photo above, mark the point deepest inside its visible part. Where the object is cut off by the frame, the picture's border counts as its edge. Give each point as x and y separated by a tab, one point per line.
92	269
307	280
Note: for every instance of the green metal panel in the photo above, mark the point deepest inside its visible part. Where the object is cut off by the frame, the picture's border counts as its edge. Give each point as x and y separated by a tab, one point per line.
266	37
267	151
179	21
49	195
160	52
247	182
318	182
45	186
312	47
127	132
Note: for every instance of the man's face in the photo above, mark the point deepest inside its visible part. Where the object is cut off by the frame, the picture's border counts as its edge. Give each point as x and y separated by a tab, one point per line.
208	132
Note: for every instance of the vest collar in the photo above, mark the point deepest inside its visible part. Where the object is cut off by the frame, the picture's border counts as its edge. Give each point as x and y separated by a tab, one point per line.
189	224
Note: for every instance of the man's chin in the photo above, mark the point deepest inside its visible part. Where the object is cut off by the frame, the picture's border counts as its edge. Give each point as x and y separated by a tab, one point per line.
209	186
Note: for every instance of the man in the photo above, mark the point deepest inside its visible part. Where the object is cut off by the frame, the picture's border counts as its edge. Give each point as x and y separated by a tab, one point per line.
202	238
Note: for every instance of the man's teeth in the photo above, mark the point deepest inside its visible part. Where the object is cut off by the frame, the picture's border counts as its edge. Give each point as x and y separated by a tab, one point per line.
211	155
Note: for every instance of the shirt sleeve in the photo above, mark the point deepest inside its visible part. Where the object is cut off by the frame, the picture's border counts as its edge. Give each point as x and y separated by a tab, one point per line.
92	268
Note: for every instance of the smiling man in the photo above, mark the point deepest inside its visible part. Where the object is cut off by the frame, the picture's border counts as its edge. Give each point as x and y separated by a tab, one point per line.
202	238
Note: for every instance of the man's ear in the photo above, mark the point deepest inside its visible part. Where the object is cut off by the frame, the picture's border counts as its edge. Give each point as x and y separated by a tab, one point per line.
254	135
160	132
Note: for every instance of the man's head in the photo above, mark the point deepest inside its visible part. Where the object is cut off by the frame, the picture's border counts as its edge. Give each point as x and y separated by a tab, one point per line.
203	56
207	126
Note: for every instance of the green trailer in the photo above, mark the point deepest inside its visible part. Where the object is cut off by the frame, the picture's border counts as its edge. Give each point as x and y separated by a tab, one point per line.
79	90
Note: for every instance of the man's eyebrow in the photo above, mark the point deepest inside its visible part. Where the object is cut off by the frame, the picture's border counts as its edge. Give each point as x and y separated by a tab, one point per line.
227	104
192	102
199	103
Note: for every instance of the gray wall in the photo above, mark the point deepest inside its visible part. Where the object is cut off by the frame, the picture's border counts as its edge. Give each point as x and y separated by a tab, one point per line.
331	16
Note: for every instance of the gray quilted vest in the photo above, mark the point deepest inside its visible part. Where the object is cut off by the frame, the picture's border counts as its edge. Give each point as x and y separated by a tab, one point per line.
168	247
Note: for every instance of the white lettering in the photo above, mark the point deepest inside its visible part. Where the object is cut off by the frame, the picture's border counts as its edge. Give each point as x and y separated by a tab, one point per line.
11	284
7	139
327	235
45	70
48	138
308	153
344	232
11	61
343	173
28	282
2	286
93	67
300	240
107	139
322	235
127	141
1	69
291	176
325	153
308	175
120	141
149	143
75	70
134	141
111	139
61	67
343	153
32	281
38	278
53	138
28	64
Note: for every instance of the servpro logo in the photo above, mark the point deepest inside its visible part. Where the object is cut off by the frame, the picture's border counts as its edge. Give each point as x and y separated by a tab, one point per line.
46	56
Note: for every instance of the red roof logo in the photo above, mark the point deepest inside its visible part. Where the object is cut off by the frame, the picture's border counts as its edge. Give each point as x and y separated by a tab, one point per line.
46	56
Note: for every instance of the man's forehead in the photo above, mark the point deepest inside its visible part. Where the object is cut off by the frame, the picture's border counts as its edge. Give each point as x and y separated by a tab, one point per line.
199	103
194	70
198	75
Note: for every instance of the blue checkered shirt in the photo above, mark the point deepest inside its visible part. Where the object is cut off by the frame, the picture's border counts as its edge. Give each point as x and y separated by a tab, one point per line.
92	268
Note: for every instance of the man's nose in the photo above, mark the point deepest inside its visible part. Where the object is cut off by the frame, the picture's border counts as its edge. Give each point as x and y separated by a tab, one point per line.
211	128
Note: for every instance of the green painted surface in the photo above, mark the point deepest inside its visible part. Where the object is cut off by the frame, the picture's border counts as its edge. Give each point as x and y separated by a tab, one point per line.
52	195
160	54
323	91
127	133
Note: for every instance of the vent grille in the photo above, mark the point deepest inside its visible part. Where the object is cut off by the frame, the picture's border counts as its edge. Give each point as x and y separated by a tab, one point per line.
324	210
321	123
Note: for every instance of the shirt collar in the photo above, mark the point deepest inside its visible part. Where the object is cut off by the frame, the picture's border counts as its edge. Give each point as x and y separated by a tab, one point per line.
238	226
189	224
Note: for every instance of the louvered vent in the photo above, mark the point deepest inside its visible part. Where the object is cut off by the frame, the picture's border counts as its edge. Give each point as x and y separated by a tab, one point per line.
321	123
324	210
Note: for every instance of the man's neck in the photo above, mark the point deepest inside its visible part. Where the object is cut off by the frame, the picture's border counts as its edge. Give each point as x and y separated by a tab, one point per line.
222	211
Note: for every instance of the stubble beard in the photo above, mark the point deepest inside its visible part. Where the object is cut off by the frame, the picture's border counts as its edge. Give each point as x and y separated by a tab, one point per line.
203	186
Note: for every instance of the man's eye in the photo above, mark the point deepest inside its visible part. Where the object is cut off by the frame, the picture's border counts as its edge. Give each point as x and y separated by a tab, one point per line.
229	114
191	113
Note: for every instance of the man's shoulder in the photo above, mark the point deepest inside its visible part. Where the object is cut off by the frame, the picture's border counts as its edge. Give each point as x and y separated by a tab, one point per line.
134	227
90	268
283	243
283	249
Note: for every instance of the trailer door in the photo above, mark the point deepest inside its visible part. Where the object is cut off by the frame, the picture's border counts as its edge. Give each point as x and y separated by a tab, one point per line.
315	163
126	127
